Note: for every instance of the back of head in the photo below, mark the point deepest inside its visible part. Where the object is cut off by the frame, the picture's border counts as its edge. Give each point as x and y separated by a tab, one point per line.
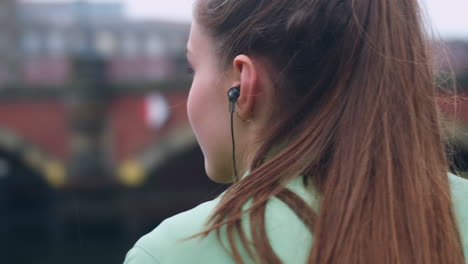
356	105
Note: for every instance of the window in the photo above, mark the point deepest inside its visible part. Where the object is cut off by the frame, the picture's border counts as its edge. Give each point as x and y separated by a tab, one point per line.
31	43
129	45
154	45
106	43
56	43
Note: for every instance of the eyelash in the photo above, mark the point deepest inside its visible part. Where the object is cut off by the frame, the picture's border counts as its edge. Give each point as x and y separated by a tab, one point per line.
188	67
190	70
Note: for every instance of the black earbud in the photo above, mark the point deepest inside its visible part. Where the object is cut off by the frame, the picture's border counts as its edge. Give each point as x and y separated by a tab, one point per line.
233	94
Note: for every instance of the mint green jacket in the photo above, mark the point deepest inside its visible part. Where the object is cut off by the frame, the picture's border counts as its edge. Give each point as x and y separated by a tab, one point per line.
289	237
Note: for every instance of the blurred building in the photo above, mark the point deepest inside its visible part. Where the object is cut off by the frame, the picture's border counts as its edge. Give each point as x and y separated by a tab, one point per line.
110	90
96	122
458	52
49	34
452	56
70	12
8	42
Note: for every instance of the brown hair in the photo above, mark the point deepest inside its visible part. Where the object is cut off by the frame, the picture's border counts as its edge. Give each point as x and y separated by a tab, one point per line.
359	115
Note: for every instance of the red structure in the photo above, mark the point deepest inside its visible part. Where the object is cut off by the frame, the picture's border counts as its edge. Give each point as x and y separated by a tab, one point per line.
42	124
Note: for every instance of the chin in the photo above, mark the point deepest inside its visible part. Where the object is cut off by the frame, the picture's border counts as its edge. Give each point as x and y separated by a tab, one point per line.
218	174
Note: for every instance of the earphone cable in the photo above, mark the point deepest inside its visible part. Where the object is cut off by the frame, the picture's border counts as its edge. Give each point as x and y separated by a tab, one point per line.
233	147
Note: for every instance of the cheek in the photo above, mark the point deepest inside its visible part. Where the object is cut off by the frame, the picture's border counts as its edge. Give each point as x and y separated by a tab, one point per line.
209	122
199	109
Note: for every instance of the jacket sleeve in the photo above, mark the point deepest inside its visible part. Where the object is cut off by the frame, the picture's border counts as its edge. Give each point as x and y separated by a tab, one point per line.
138	255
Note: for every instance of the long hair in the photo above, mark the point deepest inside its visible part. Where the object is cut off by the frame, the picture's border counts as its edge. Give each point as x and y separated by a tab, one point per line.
356	99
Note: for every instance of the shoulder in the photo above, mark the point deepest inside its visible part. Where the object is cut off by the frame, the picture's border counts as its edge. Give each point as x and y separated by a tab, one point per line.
167	243
456	180
141	256
459	189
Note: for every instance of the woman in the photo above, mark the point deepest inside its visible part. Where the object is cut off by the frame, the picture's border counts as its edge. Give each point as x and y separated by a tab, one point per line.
337	139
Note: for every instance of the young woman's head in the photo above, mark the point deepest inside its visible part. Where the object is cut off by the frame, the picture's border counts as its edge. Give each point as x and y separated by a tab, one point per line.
340	91
208	104
283	54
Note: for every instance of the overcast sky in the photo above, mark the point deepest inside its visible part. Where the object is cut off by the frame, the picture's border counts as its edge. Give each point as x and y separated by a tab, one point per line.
448	17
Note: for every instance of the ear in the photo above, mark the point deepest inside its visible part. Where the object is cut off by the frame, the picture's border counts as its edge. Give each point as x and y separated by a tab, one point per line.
247	77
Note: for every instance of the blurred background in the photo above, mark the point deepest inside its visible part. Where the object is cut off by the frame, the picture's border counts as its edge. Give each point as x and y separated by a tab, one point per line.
95	145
